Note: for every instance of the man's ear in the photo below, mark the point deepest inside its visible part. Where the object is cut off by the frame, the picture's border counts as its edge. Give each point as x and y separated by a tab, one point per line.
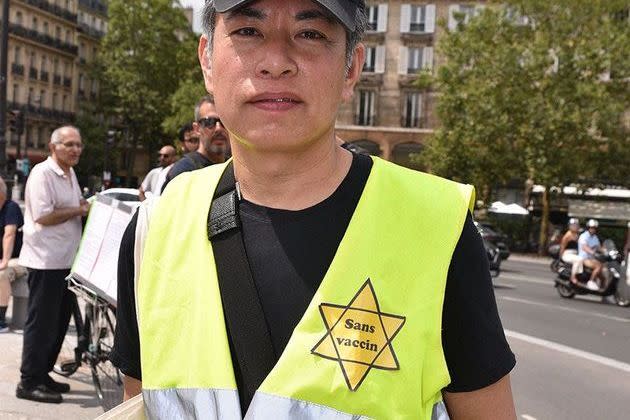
354	72
204	60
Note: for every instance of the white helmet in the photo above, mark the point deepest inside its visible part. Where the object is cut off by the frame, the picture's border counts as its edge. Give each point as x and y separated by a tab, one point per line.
574	221
592	223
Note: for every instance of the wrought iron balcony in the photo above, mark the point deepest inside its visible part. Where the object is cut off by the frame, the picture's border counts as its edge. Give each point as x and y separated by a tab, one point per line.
43	76
32	73
57	80
54	9
17	69
67	82
45	39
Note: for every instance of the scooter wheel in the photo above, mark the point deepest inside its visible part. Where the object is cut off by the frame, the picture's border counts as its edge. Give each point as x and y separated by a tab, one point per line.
621	300
565	291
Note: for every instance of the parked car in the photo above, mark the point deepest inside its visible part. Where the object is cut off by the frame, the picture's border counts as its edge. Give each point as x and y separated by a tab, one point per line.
489	233
129	196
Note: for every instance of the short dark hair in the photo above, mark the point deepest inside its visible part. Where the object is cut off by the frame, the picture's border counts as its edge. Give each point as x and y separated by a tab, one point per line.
183	130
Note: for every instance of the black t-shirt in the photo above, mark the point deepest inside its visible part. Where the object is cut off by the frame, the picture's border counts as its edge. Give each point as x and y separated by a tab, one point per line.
190	162
302	244
11	214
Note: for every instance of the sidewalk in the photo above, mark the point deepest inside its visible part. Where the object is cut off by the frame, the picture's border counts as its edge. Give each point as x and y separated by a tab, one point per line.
80	404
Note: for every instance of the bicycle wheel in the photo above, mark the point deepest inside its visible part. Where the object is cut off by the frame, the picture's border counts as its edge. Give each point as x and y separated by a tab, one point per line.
71	352
105	376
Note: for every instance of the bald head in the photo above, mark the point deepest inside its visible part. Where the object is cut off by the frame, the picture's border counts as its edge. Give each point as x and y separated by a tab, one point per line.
167	156
61	133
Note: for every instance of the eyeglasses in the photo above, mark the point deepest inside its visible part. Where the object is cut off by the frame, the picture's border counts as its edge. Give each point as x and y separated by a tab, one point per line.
71	144
209	122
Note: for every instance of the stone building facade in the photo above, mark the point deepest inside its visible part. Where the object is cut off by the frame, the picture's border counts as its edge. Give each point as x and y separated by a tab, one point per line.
42	71
389	115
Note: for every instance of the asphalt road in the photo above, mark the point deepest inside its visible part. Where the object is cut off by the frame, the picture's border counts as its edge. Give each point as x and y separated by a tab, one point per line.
573	355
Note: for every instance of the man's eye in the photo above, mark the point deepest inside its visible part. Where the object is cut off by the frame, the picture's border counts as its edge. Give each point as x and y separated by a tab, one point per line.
312	35
246	32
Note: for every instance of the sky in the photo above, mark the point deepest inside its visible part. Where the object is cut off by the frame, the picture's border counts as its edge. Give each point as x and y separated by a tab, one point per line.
197	5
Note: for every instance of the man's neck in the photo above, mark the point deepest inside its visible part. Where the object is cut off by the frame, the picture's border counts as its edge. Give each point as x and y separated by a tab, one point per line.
64	168
291	181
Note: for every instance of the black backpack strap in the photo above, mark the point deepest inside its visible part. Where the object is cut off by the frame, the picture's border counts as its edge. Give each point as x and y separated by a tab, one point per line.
250	339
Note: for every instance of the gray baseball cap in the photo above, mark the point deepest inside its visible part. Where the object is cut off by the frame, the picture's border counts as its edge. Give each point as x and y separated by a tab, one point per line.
344	10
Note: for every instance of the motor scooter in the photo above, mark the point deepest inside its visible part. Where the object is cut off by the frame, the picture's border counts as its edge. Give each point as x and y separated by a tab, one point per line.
612	272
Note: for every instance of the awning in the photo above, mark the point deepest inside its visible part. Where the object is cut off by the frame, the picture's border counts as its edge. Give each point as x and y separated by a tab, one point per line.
611	210
502	208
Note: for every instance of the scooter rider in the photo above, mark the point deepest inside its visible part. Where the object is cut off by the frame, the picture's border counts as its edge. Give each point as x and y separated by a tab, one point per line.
569	248
588	244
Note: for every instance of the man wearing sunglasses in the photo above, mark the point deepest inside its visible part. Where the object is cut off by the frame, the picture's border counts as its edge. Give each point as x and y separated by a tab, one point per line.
307	282
213	141
154	180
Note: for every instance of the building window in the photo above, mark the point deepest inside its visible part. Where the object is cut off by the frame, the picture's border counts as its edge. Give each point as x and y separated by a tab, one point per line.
55	102
366	107
44	66
461	13
64	103
17	56
374	59
68	36
35	24
18	17
58	33
42	98
414	59
377	17
412	110
16	93
417	19
45	28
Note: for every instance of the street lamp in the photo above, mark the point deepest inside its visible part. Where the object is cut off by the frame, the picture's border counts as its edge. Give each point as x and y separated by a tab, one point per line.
109	143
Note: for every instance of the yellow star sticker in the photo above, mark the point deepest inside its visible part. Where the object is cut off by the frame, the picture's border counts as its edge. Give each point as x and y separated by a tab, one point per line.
359	336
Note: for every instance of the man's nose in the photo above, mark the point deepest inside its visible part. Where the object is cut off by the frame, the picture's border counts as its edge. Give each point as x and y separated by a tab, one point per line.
277	61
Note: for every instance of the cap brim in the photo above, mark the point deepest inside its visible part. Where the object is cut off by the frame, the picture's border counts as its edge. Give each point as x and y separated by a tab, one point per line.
344	11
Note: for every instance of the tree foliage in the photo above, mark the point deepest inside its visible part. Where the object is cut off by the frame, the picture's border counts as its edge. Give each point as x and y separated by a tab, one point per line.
533	89
144	56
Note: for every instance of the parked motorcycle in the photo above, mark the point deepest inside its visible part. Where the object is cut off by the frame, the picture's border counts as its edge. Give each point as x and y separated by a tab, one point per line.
610	258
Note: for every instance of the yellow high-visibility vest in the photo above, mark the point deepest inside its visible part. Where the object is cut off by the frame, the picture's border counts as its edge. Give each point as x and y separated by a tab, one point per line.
369	344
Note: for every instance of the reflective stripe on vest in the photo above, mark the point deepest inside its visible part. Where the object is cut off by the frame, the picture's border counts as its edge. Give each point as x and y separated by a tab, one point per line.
224	405
369	344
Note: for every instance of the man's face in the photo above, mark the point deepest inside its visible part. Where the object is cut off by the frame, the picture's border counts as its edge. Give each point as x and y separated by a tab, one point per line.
278	72
68	151
166	156
191	141
212	134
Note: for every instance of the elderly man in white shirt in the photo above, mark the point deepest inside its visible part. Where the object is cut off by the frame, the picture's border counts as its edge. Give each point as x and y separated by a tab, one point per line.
52	232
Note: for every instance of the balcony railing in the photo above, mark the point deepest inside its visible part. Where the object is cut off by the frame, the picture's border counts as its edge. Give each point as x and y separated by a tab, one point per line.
32	73
17	69
57	80
43	76
36	36
54	9
95	5
91	31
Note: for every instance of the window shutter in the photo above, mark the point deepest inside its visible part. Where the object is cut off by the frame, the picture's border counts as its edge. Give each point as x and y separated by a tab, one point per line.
427	58
430	18
382	18
452	23
403	58
405	18
380	59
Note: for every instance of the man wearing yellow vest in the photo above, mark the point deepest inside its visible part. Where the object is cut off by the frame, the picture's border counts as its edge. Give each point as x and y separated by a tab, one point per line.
308	282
